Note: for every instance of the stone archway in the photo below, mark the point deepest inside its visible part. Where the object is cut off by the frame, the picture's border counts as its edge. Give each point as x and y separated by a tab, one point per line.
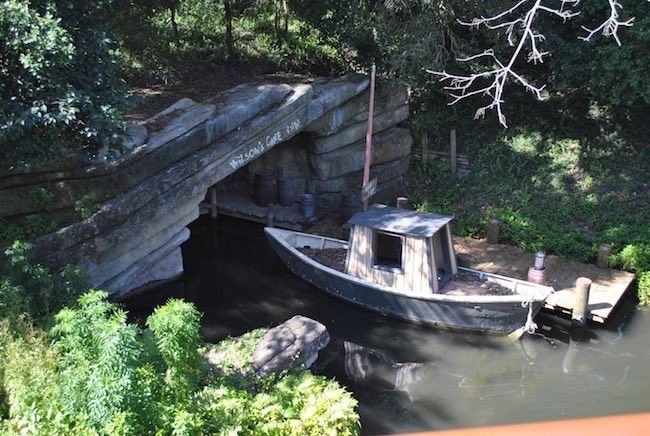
152	192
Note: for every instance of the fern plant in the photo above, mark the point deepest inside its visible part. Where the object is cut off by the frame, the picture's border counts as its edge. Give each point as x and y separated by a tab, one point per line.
95	373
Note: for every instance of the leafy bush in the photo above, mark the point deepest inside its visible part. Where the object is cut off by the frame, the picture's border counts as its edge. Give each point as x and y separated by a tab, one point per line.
29	228
101	374
292	403
643	284
634	257
32	290
59	95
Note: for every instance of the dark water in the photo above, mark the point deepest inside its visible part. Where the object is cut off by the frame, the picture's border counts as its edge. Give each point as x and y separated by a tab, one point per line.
405	377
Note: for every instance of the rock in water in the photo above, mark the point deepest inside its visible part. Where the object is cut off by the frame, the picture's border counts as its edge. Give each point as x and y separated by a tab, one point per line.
294	343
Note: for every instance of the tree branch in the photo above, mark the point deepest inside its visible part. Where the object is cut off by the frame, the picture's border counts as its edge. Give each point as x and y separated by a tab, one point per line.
518	21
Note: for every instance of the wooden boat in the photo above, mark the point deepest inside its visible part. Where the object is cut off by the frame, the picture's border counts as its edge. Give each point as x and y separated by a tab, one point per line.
402	264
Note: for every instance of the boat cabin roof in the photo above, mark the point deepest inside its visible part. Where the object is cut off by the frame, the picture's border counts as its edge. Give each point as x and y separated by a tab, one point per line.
400	221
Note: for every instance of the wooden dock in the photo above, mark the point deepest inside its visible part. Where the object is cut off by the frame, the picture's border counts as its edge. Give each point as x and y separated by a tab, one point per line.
607	289
242	206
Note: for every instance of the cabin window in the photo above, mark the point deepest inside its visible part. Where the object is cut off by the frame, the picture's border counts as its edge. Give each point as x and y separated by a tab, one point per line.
388	251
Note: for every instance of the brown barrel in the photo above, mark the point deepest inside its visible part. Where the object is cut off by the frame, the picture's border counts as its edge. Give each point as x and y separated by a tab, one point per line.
286	191
265	187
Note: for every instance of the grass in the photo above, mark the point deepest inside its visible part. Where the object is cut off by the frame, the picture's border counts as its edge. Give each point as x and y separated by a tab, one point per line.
563	192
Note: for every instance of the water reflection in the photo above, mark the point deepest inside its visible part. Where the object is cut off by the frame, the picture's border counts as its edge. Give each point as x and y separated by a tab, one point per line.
408	378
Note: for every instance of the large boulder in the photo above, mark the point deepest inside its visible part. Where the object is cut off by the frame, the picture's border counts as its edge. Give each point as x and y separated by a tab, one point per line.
294	343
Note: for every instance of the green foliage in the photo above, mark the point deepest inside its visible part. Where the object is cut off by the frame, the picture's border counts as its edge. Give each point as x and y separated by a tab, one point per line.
175	329
643	283
292	403
29	228
32	290
103	375
595	68
153	52
29	294
634	257
563	194
86	206
58	90
43	197
97	363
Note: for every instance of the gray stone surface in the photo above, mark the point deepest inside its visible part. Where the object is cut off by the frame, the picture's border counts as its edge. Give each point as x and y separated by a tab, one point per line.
175	121
387	96
294	343
165	270
388	145
108	180
151	193
163	263
387	192
290	156
352	181
356	131
109	261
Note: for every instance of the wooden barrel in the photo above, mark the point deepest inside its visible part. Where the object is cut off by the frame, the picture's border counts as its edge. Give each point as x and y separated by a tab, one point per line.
265	187
286	190
308	205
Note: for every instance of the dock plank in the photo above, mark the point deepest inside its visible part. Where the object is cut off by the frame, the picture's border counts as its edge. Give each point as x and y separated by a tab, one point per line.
242	206
607	289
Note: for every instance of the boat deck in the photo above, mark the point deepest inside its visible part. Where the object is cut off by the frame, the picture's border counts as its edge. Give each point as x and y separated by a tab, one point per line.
607	289
464	284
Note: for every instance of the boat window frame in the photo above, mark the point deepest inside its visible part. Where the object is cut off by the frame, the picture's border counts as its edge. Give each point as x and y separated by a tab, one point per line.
375	245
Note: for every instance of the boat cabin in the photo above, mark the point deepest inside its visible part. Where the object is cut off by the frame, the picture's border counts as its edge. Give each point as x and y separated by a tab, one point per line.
401	249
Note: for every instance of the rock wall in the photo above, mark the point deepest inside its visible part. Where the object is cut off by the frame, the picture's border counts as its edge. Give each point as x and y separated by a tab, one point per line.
150	193
337	152
329	160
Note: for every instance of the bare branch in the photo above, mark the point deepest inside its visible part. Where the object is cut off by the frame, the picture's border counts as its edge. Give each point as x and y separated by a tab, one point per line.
518	24
610	26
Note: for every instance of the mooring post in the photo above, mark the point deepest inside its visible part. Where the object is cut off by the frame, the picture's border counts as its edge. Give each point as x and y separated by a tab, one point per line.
581	299
270	216
213	203
537	272
493	231
402	203
452	151
603	255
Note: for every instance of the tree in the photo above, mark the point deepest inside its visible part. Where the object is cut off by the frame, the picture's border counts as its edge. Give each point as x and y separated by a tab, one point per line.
59	93
520	24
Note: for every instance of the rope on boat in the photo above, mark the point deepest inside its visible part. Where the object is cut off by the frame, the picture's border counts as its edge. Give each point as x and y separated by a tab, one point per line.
530	325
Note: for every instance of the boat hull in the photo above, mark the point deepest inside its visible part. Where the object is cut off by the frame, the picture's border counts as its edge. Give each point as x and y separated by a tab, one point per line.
464	314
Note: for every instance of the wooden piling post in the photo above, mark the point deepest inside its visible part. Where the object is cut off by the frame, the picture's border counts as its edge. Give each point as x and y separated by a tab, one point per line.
402	203
581	299
493	231
603	255
452	150
270	216
213	203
